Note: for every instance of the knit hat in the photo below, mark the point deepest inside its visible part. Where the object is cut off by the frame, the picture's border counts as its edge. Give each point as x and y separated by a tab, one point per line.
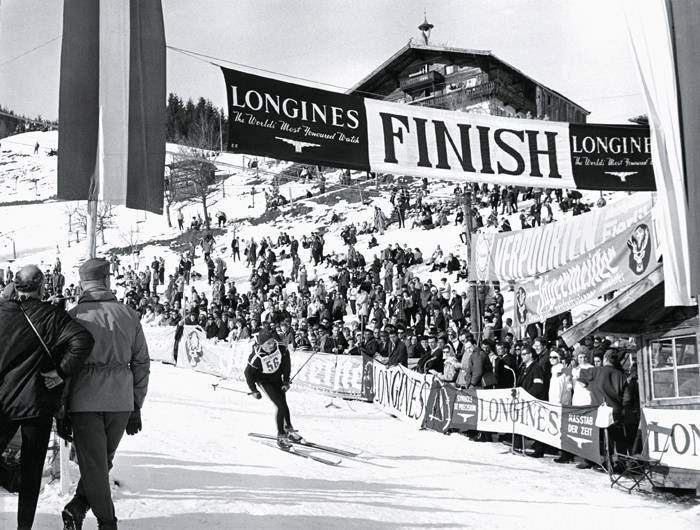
264	335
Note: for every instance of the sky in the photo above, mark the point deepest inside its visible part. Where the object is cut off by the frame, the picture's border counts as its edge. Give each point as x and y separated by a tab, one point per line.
576	47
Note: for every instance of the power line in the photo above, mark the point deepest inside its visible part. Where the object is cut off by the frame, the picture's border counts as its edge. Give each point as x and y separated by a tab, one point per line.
30	51
197	55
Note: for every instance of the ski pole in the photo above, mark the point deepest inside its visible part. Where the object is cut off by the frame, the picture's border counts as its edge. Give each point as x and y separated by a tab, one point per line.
215	385
302	366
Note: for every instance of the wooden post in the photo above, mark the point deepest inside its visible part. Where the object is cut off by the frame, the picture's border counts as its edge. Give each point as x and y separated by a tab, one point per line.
91	229
475	314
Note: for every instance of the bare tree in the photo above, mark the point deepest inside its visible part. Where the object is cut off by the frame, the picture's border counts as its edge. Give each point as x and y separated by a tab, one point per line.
105	218
195	166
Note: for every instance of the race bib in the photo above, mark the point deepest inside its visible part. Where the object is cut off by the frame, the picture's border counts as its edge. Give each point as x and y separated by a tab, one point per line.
270	361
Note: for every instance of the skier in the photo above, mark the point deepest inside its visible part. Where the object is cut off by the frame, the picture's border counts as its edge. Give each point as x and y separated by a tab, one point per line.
269	366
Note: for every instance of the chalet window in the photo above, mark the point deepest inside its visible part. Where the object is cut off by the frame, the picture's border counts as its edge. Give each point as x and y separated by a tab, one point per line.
675	370
450	69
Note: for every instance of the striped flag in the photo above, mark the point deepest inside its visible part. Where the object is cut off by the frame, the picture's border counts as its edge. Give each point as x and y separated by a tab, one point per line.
112	103
665	45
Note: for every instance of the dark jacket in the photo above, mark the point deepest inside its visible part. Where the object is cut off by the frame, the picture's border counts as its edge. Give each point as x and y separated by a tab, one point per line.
397	353
504	376
531	379
478	366
431	361
23	394
609	387
266	367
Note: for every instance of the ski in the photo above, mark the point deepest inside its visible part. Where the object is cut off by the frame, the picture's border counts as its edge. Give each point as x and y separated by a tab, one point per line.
311	445
299	452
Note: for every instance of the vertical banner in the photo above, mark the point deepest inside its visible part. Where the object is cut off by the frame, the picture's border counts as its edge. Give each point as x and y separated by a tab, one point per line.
654	52
112	103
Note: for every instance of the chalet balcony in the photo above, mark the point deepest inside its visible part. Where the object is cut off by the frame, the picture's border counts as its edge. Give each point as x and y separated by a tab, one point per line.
418	82
465	97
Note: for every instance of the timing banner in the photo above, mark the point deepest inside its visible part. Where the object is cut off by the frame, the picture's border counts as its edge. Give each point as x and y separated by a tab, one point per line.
288	121
572	429
400	391
620	261
513	256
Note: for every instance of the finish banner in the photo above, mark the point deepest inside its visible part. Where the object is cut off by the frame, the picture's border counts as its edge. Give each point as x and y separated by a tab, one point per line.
674	436
572	429
288	121
400	391
616	263
513	256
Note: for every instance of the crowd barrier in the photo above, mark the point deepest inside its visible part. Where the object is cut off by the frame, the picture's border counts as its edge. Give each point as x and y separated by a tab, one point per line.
419	398
340	375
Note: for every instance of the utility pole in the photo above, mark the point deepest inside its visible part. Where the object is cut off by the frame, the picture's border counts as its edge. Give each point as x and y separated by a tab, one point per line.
221	136
474	312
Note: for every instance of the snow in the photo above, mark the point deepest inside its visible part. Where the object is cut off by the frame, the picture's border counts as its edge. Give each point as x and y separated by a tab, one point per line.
193	466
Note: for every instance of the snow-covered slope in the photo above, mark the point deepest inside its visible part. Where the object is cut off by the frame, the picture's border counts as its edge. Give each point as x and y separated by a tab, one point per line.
193	467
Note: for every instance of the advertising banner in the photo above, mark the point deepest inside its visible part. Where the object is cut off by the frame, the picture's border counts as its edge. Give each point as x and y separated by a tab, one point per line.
572	429
273	118
295	122
513	256
614	264
161	341
623	150
324	372
450	408
673	436
401	392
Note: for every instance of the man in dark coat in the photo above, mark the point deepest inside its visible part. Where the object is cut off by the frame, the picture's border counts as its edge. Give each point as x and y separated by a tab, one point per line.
531	379
505	377
396	350
608	387
30	382
479	365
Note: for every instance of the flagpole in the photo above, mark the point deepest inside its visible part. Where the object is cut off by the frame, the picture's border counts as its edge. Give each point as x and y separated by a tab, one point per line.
92	219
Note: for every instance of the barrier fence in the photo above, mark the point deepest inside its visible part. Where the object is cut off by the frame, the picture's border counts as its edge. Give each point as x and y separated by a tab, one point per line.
413	397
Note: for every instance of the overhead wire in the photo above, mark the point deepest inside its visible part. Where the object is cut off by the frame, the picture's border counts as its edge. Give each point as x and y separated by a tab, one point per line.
8	61
198	56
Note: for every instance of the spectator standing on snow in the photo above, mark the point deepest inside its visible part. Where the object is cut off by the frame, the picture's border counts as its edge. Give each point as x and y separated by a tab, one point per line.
107	393
30	382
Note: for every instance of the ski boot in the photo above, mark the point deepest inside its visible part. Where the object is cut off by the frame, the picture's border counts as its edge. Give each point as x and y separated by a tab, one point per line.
283	442
293	435
73	513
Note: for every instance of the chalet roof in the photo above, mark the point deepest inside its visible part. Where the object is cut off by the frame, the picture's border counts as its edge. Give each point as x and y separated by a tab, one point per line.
404	56
638	308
